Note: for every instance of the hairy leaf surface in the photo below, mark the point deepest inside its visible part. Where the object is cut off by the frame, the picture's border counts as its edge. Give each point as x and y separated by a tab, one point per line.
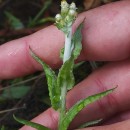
54	91
32	124
62	53
80	105
76	41
65	76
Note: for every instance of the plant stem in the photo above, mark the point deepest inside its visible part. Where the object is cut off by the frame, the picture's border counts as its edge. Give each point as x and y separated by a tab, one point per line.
63	105
67	54
67	51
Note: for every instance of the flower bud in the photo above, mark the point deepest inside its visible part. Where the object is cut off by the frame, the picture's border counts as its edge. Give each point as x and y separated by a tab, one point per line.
58	17
64	7
64	4
72	12
65	19
73	6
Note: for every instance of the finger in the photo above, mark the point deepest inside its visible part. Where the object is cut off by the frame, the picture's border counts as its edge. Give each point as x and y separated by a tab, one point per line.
15	59
105	37
125	125
107	77
118	118
49	119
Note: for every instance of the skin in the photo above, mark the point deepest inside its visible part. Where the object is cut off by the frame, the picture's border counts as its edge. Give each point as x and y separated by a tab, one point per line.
106	37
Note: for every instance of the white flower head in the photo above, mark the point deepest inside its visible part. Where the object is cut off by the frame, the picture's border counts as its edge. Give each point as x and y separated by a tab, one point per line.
64	6
58	17
73	6
66	18
72	12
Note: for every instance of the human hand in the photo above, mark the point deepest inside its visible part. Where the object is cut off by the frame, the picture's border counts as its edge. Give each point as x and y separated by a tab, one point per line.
106	37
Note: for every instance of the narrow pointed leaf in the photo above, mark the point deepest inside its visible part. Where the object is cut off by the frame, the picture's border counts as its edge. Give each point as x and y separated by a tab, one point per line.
76	41
14	21
65	76
90	123
80	105
15	92
34	21
32	124
54	92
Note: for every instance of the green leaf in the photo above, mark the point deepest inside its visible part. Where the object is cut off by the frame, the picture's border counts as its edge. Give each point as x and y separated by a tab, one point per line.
32	124
15	92
65	76
34	21
76	41
62	53
80	105
54	91
90	123
14	22
45	20
2	128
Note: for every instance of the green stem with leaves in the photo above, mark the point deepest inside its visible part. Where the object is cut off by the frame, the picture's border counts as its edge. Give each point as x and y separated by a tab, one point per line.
63	106
67	51
67	55
58	85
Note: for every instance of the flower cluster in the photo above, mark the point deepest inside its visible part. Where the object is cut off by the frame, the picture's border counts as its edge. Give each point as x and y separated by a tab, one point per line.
67	16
